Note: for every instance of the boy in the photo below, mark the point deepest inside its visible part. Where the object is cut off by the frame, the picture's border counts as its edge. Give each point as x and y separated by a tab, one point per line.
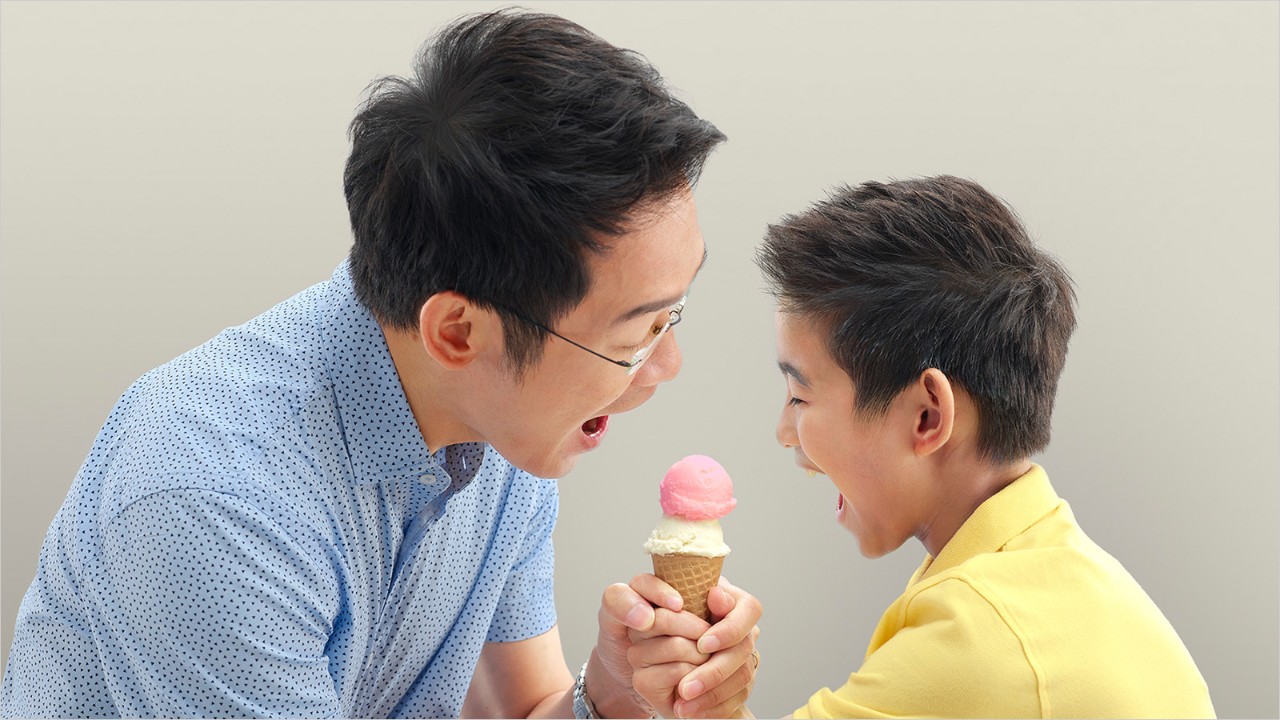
921	335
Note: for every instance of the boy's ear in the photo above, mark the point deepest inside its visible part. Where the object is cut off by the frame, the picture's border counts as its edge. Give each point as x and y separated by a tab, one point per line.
453	330
935	412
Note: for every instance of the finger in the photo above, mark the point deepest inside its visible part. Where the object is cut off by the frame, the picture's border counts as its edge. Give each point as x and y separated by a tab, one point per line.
720	602
657	683
723	699
621	608
665	622
657	592
726	709
662	650
734	627
719	668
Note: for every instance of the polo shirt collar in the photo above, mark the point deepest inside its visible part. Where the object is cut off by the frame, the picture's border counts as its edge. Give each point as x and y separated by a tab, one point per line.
999	519
381	434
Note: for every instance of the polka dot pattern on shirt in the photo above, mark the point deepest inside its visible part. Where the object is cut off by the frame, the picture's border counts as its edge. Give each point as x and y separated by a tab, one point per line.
260	529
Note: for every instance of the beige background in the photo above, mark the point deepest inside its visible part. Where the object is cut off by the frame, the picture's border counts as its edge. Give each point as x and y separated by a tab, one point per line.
169	169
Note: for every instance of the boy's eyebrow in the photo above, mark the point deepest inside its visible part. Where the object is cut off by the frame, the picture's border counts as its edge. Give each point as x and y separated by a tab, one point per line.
789	369
653	307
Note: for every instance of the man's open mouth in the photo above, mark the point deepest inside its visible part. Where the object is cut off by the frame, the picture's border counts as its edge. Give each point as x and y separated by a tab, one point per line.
595	426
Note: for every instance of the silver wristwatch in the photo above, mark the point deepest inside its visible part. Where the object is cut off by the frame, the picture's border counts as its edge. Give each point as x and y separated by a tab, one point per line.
582	707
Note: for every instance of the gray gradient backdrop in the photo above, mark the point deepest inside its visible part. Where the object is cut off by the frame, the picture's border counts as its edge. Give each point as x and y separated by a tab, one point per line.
170	169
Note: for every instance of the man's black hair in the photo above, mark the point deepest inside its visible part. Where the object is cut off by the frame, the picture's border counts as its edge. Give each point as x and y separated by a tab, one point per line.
522	143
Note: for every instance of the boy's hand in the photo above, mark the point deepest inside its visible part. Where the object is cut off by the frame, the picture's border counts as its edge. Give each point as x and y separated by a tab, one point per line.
687	668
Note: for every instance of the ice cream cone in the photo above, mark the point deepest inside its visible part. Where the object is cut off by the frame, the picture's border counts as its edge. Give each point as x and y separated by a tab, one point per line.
692	576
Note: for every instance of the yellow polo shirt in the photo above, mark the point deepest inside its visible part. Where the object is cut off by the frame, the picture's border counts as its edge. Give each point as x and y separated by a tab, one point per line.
1021	615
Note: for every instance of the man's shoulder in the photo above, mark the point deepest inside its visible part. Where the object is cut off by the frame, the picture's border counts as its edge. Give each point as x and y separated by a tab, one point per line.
221	415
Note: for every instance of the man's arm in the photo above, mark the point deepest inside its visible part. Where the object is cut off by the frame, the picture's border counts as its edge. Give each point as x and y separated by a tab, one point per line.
529	679
520	679
213	610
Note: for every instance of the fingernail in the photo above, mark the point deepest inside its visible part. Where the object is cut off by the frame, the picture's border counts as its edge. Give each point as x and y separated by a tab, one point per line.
638	617
684	709
708	644
691	689
674	603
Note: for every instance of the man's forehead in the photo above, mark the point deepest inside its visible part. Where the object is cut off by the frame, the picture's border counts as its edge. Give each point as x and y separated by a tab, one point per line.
649	268
663	302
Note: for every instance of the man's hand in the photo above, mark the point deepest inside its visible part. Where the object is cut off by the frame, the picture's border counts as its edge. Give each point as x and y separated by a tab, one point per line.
625	609
686	668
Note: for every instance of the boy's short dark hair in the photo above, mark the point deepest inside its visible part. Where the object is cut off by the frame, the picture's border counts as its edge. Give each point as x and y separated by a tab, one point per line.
521	139
932	272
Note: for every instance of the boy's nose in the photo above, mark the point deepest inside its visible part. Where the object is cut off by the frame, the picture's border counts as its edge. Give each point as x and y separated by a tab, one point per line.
786	432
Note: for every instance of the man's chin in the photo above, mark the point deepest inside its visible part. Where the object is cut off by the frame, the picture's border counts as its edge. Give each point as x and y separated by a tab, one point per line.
548	467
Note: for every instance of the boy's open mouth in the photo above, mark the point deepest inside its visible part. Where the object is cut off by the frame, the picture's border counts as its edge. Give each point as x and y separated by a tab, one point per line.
840	501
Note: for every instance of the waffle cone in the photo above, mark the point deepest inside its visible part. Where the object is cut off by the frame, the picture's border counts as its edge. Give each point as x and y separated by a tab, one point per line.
692	576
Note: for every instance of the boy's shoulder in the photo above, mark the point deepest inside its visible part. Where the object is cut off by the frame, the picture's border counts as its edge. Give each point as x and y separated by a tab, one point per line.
1075	612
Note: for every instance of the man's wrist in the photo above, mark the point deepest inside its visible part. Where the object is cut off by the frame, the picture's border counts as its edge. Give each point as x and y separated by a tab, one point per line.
608	698
583	709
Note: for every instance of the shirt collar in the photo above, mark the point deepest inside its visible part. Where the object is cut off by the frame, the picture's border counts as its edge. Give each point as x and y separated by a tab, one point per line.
381	434
999	519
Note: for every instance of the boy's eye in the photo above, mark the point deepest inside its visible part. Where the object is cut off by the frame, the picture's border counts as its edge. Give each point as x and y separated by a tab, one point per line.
795	401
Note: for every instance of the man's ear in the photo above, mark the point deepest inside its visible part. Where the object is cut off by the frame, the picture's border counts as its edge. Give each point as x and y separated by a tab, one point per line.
935	412
453	330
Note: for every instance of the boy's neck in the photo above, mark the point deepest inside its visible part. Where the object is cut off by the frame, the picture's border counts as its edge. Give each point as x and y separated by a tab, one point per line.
964	484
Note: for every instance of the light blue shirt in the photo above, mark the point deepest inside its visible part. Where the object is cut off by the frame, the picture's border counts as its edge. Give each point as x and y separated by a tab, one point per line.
260	529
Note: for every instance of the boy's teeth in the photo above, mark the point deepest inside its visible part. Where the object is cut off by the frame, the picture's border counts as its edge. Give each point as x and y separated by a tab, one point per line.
811	473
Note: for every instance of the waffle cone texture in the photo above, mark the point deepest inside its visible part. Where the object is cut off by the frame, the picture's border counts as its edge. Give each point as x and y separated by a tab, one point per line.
692	576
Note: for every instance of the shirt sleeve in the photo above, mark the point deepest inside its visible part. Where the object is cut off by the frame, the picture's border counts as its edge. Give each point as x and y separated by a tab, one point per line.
53	668
218	612
954	656
526	607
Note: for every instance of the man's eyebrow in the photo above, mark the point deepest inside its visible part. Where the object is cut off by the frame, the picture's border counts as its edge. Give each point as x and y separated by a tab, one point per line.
655	306
789	369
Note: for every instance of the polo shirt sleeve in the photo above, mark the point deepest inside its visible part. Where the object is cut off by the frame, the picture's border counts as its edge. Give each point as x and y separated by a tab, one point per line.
953	655
216	611
527	607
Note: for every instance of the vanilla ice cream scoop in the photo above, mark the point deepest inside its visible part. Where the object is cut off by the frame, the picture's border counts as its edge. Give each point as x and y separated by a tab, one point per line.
675	535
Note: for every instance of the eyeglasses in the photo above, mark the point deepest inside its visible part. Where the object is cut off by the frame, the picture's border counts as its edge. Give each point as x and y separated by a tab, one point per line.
658	331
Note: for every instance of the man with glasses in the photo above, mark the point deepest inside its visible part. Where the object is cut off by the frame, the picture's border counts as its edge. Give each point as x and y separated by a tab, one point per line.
344	507
657	331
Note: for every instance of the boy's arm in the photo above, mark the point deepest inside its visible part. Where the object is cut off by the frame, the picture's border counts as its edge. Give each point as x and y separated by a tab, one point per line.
953	647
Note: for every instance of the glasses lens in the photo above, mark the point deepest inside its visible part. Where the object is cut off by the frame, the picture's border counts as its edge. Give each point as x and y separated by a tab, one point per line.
673	318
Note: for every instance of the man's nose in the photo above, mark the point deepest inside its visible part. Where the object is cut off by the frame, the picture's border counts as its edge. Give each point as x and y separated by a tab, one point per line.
663	364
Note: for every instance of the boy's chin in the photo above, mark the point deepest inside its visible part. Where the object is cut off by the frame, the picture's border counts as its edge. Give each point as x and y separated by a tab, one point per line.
872	551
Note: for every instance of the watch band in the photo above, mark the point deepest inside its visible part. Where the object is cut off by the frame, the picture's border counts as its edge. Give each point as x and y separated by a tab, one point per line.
582	707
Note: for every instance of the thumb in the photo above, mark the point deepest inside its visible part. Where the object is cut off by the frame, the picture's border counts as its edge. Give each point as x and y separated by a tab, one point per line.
720	602
622	608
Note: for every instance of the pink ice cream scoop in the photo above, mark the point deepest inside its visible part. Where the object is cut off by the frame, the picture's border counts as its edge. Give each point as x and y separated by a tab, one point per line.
697	488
